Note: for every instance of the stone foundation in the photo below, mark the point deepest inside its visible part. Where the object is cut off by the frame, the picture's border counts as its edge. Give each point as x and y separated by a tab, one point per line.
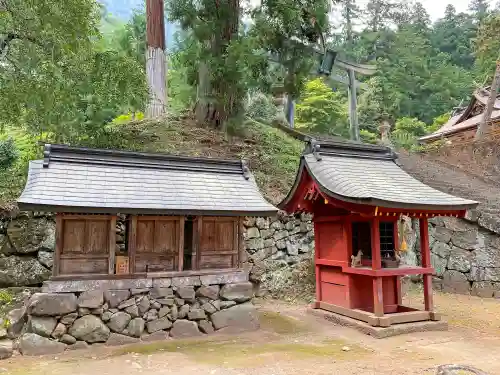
75	314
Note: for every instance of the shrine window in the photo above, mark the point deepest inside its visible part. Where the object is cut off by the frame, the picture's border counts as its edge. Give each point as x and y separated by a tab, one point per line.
387	239
361	239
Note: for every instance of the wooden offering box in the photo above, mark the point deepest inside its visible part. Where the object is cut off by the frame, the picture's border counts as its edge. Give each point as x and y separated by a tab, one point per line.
357	194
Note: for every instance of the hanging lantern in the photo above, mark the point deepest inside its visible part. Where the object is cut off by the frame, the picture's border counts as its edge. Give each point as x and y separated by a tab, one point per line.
404	247
327	60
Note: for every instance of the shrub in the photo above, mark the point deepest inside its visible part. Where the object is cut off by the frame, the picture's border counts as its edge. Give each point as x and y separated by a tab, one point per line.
260	108
9	153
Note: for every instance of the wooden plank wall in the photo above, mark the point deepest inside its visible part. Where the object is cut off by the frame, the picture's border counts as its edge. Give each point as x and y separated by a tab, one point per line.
219	246
84	244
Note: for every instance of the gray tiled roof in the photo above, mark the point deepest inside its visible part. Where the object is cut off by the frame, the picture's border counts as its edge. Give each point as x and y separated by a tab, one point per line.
369	175
84	180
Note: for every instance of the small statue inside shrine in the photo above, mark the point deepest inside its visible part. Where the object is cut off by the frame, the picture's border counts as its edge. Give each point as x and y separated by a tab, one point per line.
356	260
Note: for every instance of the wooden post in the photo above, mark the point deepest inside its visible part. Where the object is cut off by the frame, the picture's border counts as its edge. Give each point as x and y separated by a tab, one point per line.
132	243
378	297
156	67
196	256
399	295
181	244
426	262
59	244
317	267
112	245
375	239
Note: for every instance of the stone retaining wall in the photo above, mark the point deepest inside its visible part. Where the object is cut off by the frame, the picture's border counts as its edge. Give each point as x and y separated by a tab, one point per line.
153	309
466	257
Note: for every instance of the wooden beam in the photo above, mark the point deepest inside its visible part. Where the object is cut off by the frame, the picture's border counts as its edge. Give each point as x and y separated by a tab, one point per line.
426	262
59	244
132	243
196	257
112	245
378	297
181	244
364	316
316	264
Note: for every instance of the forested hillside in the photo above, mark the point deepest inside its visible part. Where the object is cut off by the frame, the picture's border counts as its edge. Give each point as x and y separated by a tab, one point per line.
66	78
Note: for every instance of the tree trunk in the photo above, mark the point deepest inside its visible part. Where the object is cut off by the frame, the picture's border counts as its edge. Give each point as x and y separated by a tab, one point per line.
156	66
490	105
217	100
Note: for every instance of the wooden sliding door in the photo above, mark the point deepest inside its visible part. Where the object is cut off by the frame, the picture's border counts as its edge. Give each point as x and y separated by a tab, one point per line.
218	245
85	245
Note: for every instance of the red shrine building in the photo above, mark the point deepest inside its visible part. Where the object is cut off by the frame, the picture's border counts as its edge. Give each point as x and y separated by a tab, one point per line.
357	194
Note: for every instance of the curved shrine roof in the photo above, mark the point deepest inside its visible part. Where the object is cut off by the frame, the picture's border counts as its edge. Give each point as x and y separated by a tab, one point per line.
81	180
368	174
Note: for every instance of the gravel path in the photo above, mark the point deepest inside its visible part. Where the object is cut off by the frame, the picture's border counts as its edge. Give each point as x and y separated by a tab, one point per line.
293	342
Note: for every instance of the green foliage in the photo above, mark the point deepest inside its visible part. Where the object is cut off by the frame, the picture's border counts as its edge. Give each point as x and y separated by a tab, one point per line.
6	298
368	137
320	110
8	153
438	123
260	107
57	76
487	47
407	131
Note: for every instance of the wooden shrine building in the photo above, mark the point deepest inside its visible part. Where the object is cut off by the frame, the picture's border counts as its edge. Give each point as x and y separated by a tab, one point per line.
357	194
180	215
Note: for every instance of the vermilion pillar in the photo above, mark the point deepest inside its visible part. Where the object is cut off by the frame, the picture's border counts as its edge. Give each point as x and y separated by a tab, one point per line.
426	263
378	293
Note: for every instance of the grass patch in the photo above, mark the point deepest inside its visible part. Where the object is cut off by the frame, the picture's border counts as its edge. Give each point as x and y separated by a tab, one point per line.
279	323
239	352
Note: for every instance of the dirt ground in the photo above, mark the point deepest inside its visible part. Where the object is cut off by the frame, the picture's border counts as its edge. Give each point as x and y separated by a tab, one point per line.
294	342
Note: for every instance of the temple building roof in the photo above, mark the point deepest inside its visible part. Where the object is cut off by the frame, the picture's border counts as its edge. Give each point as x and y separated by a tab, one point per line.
84	180
368	175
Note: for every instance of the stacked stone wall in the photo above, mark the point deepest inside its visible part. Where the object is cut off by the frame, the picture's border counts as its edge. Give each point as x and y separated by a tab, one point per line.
150	309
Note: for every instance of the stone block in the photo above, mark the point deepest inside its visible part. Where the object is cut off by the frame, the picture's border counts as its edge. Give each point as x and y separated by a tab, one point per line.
156	293
174	313
441	249
277	225
227	304
67	339
442	234
267	234
135	327
249	222
280	235
119	321
6	349
15	322
59	331
91	299
46	258
133	311
127	303
205	326
52	304
151	315
162	283
166	301
254	244
262	223
32	344
184	328
281	244
116	297
79	345
184	281
243	317
89	328
135	292
196	314
459	260
158	325
252	233
187	293
183	311
224	278
465	240
492	274
292	248
237	292
209	308
208	291
69	318
144	305
455	282
115	339
163	311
